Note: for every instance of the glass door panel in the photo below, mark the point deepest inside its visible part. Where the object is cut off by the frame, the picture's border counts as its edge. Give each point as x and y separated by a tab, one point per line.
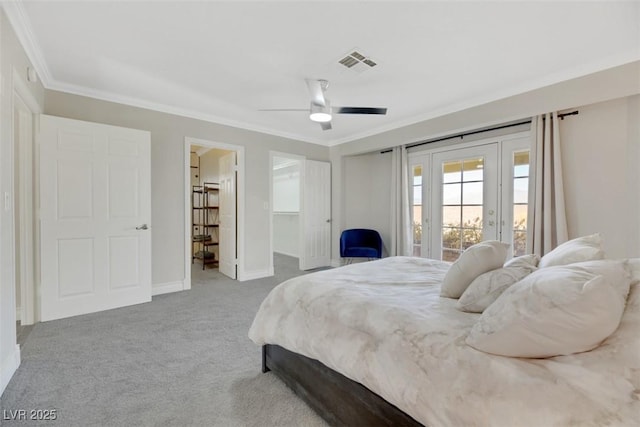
515	194
419	189
520	201
464	199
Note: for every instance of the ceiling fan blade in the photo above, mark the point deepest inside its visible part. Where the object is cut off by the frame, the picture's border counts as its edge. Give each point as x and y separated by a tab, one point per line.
284	109
325	125
359	110
316	92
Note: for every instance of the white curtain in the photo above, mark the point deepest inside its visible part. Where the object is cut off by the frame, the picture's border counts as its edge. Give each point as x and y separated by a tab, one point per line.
547	224
401	243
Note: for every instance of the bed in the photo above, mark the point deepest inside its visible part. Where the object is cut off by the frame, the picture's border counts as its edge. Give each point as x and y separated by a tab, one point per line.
375	344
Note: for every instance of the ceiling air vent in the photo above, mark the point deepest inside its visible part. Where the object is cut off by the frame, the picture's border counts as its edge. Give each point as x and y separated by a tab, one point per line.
357	62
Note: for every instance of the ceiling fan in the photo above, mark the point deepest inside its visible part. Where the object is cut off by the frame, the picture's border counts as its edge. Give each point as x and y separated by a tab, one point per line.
321	111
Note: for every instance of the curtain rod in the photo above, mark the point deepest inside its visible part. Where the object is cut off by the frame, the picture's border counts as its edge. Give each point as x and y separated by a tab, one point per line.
462	135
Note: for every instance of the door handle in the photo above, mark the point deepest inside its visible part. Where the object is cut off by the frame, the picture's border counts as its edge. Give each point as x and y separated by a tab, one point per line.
328	220
142	227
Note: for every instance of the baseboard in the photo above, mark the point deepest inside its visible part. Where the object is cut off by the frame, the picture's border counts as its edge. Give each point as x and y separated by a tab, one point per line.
252	275
166	288
9	366
336	263
287	254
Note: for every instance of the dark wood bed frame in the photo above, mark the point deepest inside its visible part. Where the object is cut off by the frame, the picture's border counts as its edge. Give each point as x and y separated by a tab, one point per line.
336	398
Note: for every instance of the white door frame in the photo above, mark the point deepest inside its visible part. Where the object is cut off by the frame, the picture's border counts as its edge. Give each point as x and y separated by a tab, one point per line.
188	142
29	301
301	159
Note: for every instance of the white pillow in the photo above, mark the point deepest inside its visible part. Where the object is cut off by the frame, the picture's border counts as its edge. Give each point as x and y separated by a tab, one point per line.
478	259
585	248
523	261
487	287
553	311
616	271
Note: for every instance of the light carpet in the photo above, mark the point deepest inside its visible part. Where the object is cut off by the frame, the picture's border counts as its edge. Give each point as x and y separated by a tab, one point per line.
183	359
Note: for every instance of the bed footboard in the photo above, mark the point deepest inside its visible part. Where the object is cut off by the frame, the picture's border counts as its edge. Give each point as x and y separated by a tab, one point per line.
336	398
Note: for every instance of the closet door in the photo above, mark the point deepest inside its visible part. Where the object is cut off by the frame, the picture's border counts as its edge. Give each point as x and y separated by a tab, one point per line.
464	199
315	250
95	208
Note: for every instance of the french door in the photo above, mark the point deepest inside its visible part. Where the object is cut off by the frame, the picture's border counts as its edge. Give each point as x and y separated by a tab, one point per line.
464	199
466	195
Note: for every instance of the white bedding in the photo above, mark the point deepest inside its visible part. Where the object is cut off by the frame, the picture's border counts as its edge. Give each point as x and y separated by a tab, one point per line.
384	325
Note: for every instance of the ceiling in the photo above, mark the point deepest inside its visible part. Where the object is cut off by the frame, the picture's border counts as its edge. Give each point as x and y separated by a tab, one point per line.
225	61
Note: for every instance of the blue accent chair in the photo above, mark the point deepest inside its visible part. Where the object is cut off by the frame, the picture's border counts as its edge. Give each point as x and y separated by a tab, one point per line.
360	243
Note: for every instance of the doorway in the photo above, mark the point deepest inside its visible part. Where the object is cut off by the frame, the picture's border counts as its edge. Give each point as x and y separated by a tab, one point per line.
213	211
286	196
24	219
300	200
26	193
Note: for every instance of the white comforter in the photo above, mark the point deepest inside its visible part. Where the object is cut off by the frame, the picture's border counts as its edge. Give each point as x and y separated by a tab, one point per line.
383	324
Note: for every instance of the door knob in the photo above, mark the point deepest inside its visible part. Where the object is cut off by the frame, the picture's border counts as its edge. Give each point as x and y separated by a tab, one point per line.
328	220
142	227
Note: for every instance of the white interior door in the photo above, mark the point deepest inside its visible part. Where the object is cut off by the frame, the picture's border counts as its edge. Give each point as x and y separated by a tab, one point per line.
316	215
95	204
227	247
464	199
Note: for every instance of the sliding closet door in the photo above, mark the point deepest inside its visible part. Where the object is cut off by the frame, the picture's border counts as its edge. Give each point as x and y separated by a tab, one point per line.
464	199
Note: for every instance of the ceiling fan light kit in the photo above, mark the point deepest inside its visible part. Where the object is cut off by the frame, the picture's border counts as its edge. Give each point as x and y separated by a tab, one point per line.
319	113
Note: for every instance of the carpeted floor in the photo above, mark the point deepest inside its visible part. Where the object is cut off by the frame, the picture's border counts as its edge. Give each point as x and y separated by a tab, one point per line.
182	360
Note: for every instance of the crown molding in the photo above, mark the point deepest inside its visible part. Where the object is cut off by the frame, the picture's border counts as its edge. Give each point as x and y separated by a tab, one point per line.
601	64
176	111
21	24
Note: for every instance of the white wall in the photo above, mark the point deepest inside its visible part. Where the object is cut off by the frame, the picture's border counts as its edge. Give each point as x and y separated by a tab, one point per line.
367	189
286	234
12	60
601	158
210	165
286	206
286	187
